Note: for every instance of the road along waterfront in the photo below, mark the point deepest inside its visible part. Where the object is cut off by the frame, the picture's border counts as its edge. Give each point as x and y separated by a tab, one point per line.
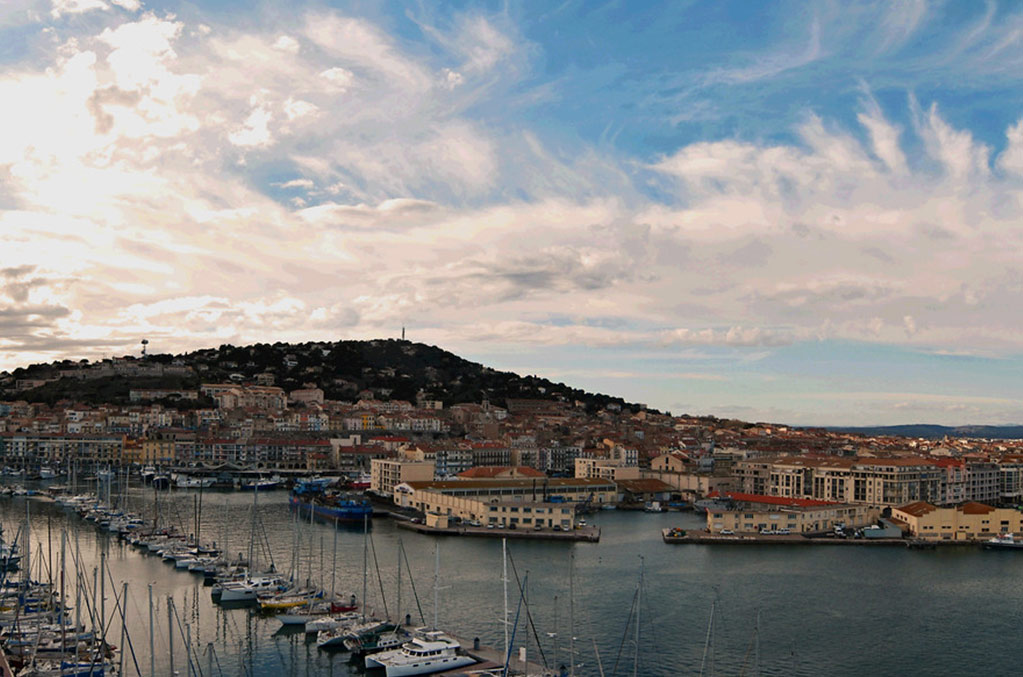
836	611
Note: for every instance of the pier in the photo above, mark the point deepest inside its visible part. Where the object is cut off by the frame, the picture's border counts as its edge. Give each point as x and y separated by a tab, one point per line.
589	534
703	537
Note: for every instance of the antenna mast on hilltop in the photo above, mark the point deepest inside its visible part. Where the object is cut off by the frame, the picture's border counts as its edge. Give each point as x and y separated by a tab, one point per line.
403	333
145	342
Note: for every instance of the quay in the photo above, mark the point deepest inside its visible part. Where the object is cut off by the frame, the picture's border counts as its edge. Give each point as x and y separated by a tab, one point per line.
491	661
589	534
702	537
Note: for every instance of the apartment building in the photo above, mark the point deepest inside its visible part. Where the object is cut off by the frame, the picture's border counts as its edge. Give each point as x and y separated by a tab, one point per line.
873	481
20	449
605	469
753	513
387	473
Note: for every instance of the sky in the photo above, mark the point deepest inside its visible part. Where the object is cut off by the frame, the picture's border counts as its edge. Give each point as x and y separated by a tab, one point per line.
797	212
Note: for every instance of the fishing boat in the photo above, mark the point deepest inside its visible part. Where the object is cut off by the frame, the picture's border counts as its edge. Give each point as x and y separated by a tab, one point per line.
186	482
262	484
363	481
342	507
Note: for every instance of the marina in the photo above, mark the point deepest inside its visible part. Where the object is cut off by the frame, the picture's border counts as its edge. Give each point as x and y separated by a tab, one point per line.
680	585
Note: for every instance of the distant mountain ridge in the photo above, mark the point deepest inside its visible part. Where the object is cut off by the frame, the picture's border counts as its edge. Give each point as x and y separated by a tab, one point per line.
929	431
391	369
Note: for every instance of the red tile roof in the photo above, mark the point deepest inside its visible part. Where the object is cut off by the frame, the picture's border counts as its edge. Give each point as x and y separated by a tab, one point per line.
771	500
485	471
974	508
917	509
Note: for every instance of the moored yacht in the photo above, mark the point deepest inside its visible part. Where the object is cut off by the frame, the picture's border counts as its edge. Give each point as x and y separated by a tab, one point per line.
428	652
249	589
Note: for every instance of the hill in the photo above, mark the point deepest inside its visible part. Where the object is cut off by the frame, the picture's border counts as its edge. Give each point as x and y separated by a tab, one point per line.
391	369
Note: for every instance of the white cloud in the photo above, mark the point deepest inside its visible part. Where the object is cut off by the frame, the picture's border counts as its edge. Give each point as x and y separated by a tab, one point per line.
296	108
340	77
61	7
255	130
286	43
1011	159
298	183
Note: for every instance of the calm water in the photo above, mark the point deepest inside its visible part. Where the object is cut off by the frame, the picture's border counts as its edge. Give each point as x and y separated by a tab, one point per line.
824	610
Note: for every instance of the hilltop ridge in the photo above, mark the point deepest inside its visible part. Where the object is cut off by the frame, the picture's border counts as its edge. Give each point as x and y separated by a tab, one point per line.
387	368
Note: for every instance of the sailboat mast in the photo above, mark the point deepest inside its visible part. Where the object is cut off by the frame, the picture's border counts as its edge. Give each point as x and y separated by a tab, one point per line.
365	562
571	615
436	582
252	538
397	611
504	578
63	599
152	638
708	644
333	565
639	600
309	568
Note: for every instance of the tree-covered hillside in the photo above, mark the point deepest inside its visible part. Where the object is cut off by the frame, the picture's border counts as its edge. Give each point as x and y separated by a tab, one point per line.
391	369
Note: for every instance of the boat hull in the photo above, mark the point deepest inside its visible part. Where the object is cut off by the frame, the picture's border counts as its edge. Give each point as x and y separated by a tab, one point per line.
427	668
356	512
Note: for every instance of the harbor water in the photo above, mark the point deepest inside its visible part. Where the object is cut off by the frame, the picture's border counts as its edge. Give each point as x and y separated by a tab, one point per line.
776	610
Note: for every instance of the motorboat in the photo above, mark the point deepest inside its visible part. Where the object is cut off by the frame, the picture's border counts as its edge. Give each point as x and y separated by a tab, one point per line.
1003	542
427	652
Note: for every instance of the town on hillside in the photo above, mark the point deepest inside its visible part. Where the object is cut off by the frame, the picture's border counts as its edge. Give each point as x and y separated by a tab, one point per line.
477	463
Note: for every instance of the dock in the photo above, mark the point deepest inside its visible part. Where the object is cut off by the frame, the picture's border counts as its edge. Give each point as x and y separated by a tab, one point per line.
589	534
491	662
703	537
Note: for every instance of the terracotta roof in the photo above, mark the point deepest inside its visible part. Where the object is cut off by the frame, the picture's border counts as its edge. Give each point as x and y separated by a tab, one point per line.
974	508
948	462
644	486
492	471
553	484
917	509
771	500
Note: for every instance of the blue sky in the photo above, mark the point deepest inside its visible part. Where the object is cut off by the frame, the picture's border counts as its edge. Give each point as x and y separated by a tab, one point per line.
795	212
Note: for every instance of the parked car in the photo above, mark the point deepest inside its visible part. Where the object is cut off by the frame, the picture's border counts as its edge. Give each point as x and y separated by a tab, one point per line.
767	532
537	527
727	532
557	527
783	532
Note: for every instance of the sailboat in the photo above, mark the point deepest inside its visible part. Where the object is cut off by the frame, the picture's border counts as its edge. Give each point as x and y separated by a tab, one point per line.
427	652
249	588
